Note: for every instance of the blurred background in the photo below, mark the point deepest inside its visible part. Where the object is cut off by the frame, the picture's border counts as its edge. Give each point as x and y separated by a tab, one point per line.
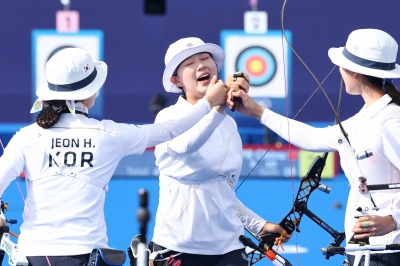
132	36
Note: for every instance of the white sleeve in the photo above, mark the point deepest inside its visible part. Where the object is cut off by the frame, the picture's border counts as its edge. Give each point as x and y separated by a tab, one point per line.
193	139
299	134
7	175
12	163
391	150
250	220
178	124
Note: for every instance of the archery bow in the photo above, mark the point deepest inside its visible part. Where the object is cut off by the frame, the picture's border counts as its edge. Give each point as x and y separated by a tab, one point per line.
291	222
15	257
308	184
311	181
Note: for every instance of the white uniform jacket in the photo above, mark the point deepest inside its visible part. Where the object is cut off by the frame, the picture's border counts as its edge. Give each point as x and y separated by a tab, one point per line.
376	128
198	211
67	169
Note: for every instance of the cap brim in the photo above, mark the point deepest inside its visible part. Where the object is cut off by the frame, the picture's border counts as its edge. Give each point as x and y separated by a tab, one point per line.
44	93
217	54
337	57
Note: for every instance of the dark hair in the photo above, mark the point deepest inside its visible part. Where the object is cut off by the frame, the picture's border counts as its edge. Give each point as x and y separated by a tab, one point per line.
50	113
390	89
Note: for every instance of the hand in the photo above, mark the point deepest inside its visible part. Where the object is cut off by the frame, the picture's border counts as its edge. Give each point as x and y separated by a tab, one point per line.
275	228
238	82
248	106
2	222
216	91
378	226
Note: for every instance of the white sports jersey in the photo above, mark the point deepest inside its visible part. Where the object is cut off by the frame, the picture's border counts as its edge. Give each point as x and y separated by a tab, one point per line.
198	212
67	169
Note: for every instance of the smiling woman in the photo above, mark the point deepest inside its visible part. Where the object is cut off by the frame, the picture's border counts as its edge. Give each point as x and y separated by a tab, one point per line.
200	169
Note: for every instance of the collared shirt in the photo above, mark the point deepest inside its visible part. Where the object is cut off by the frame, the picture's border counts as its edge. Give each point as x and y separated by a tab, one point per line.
198	211
376	128
67	168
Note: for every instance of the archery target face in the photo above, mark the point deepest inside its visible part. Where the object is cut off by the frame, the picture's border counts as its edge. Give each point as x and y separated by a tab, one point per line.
261	57
258	63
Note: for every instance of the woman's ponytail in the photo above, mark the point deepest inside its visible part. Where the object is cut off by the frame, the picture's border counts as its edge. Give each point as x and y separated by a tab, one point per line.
50	113
393	92
386	85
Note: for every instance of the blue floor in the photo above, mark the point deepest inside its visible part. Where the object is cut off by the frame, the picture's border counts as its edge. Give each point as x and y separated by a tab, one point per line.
271	199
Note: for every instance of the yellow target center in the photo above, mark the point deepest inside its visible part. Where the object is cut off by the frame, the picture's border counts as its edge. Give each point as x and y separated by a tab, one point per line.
256	66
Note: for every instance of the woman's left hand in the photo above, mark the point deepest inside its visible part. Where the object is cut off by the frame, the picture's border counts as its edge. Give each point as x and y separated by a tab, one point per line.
373	225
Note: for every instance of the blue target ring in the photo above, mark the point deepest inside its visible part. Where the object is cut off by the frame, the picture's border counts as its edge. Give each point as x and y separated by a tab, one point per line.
258	63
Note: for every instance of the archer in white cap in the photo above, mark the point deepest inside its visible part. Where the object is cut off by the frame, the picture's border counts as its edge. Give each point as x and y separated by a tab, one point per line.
69	159
368	66
199	219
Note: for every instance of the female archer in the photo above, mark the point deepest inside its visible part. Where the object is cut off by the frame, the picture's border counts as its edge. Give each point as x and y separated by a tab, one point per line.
199	219
368	66
69	159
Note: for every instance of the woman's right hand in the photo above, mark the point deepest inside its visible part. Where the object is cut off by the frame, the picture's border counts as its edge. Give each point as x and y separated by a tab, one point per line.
216	92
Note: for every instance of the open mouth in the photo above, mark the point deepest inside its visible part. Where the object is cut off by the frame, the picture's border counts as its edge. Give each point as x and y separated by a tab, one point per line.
204	77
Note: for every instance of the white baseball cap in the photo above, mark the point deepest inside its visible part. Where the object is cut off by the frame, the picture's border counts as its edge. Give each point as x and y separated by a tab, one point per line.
72	75
184	48
370	52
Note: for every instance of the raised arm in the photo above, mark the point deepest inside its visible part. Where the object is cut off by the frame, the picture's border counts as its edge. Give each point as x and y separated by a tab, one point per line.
194	138
174	126
302	135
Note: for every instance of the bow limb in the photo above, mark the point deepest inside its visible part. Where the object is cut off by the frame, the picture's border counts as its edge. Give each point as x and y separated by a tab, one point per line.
262	251
309	70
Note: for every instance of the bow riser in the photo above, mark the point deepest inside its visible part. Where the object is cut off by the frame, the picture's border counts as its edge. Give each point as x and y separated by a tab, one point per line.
291	222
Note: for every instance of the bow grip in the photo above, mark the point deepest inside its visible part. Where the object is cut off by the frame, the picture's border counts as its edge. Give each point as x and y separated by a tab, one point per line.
237	100
236	103
269	238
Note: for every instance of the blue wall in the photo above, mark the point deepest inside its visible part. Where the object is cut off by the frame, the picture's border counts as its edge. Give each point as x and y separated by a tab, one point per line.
135	45
270	198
